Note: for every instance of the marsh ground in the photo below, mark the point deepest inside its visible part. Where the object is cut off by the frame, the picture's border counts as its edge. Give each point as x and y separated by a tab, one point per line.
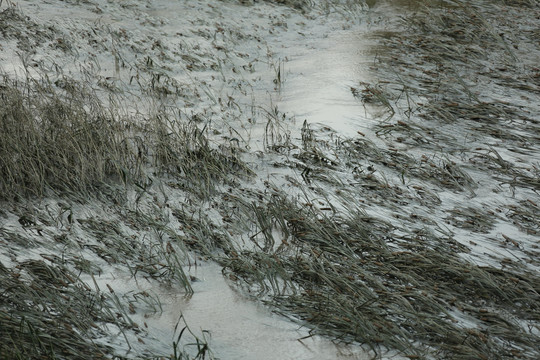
289	179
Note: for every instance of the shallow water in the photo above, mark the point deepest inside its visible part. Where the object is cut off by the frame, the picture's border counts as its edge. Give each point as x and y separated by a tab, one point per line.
317	85
241	329
233	326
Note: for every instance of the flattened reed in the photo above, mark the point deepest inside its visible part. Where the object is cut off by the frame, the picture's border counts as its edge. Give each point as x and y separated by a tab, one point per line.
408	284
353	278
66	142
47	312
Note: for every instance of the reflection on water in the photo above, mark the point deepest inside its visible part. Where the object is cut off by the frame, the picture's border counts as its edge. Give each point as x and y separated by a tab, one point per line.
317	85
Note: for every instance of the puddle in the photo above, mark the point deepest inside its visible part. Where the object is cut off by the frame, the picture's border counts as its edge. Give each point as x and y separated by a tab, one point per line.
234	326
317	84
241	329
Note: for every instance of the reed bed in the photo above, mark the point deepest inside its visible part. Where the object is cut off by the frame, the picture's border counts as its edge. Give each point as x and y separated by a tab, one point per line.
68	141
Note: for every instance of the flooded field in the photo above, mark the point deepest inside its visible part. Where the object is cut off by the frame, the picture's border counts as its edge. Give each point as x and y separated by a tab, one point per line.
270	180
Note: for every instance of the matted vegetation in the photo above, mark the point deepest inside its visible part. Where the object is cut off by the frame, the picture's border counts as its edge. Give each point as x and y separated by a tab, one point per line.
356	279
65	143
327	256
41	317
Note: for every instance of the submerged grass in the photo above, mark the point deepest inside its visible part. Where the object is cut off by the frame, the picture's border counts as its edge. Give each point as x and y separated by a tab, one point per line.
47	312
403	281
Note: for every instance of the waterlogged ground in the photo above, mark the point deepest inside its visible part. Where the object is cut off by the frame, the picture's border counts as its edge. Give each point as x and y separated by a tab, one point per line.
358	181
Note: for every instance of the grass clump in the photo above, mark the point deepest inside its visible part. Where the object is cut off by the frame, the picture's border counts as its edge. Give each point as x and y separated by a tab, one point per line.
61	141
67	140
356	278
41	317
